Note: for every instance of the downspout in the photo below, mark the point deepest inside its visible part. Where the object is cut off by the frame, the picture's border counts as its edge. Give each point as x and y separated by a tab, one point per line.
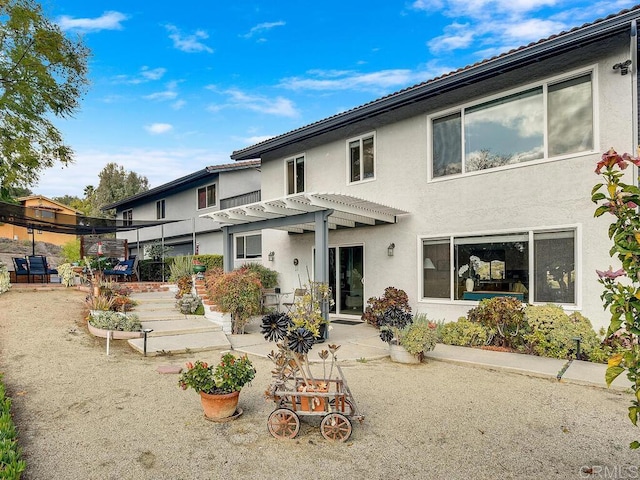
633	52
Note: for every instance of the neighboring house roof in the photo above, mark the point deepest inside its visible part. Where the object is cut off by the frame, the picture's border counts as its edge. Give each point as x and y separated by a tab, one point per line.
183	182
529	54
60	206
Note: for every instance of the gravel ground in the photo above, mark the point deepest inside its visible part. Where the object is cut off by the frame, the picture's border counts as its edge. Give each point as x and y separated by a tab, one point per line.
84	415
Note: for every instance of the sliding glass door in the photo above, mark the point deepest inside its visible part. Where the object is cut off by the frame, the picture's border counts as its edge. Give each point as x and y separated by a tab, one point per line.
346	277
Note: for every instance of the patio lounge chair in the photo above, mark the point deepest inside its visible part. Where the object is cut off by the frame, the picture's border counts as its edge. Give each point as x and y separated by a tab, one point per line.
124	269
21	267
38	266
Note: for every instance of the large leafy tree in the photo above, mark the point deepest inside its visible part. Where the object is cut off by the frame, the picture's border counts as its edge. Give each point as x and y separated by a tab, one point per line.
42	76
115	184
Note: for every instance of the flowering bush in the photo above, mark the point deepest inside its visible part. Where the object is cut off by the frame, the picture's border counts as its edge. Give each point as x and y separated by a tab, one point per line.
622	298
229	376
238	293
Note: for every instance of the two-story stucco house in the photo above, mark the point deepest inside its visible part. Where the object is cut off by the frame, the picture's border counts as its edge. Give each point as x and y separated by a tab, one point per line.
485	172
184	200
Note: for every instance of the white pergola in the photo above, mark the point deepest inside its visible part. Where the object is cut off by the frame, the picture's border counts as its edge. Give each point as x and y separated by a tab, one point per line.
303	212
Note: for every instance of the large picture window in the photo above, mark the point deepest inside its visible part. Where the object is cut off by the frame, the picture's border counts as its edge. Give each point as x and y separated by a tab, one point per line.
361	158
479	267
514	129
295	175
206	197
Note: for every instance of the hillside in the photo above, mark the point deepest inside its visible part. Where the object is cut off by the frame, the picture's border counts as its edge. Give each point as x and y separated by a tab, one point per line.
20	248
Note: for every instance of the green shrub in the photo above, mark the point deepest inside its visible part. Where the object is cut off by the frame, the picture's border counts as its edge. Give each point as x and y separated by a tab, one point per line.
464	333
11	466
109	320
268	277
392	297
210	261
503	317
181	267
71	251
553	333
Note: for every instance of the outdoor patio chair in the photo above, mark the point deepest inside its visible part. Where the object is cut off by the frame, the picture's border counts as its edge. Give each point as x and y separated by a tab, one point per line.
21	267
297	294
124	269
38	266
270	299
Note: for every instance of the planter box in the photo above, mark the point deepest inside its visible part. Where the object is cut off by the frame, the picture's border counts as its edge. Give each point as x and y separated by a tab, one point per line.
400	355
115	334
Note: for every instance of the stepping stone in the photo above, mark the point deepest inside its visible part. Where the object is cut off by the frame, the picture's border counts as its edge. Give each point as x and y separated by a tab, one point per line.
169	369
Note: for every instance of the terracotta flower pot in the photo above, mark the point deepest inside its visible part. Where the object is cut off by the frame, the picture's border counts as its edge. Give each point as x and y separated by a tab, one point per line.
315	404
219	406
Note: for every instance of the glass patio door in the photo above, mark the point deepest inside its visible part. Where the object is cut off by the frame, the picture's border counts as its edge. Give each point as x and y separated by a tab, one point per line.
346	277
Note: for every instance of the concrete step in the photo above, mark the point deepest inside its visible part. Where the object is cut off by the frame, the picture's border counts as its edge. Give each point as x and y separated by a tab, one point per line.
190	324
159	315
167	305
175	344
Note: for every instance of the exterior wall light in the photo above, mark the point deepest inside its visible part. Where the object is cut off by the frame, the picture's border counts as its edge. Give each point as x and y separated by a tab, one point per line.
390	249
272	255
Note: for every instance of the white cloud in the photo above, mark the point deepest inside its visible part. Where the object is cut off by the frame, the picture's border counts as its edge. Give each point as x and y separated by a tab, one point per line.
178	104
254	140
158	128
145	75
335	80
168	94
152	73
263	27
456	36
107	21
279	106
188	43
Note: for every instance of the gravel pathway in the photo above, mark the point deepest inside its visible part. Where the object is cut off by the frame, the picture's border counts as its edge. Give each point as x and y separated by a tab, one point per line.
84	415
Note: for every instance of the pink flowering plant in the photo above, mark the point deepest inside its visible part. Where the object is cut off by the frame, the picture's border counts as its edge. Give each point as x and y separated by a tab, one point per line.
622	287
229	376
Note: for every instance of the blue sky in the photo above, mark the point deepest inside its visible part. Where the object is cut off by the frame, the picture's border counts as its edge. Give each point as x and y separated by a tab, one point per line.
177	86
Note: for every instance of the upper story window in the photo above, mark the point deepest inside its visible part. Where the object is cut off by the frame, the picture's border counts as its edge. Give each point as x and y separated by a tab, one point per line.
361	153
544	121
248	246
160	210
295	175
45	214
127	218
206	196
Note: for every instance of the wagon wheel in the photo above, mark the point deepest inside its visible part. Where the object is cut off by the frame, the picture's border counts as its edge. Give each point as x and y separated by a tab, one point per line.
283	423
335	427
348	406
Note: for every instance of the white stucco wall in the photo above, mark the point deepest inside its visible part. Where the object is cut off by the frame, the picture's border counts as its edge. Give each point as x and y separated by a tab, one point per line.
528	196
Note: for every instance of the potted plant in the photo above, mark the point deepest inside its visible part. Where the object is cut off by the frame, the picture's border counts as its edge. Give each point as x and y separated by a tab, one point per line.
219	387
408	338
419	336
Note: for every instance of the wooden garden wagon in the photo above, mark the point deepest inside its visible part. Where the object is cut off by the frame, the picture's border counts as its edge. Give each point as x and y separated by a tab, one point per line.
330	399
